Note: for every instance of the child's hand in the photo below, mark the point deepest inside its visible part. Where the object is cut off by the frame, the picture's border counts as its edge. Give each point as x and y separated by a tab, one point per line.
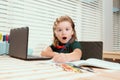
61	58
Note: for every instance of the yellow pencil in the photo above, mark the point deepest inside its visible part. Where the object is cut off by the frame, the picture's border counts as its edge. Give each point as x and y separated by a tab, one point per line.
67	67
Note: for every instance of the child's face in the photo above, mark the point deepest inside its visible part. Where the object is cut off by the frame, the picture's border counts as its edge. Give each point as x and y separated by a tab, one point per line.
64	31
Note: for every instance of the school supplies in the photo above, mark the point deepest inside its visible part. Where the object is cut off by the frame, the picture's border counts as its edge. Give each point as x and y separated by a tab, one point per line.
4	37
67	67
0	36
89	69
7	37
4	45
96	63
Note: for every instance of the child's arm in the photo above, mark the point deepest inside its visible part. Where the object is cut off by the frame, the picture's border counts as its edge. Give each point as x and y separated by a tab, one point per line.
75	55
48	52
61	57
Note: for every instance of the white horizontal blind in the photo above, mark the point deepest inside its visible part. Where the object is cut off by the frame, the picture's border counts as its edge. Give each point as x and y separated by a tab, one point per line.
116	31
39	16
4	24
92	20
116	25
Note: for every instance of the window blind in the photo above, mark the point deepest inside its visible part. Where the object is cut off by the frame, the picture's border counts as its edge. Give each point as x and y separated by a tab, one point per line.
39	16
116	25
4	28
91	22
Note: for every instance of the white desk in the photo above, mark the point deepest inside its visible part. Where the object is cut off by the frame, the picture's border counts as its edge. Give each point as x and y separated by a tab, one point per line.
16	69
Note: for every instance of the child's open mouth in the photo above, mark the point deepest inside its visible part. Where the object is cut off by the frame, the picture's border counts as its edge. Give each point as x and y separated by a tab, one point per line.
64	38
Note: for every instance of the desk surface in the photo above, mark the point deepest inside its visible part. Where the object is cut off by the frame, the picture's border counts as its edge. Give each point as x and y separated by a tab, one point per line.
16	69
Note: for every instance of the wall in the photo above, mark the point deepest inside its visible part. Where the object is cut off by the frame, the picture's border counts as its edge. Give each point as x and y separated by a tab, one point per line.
108	25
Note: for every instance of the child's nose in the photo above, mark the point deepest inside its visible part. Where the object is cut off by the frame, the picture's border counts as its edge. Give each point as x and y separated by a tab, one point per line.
63	32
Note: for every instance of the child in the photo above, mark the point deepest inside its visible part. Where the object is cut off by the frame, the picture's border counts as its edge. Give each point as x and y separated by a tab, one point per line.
65	48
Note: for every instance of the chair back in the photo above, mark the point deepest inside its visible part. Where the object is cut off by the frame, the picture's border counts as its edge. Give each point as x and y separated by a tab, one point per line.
92	49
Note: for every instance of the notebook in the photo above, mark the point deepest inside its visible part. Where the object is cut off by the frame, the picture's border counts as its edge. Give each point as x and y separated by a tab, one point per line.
18	47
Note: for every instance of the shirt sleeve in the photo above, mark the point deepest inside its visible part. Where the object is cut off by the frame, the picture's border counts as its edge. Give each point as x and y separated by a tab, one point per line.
76	45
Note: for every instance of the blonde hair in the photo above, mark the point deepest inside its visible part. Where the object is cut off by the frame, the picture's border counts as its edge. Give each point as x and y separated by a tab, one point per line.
61	19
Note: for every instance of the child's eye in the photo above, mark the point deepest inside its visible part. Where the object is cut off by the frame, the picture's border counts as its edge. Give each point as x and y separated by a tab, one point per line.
67	29
59	30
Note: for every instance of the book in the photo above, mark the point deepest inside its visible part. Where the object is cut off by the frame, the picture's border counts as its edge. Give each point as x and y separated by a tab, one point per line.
96	63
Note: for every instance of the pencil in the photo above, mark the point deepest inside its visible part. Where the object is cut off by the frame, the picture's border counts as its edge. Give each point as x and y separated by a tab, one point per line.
67	67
